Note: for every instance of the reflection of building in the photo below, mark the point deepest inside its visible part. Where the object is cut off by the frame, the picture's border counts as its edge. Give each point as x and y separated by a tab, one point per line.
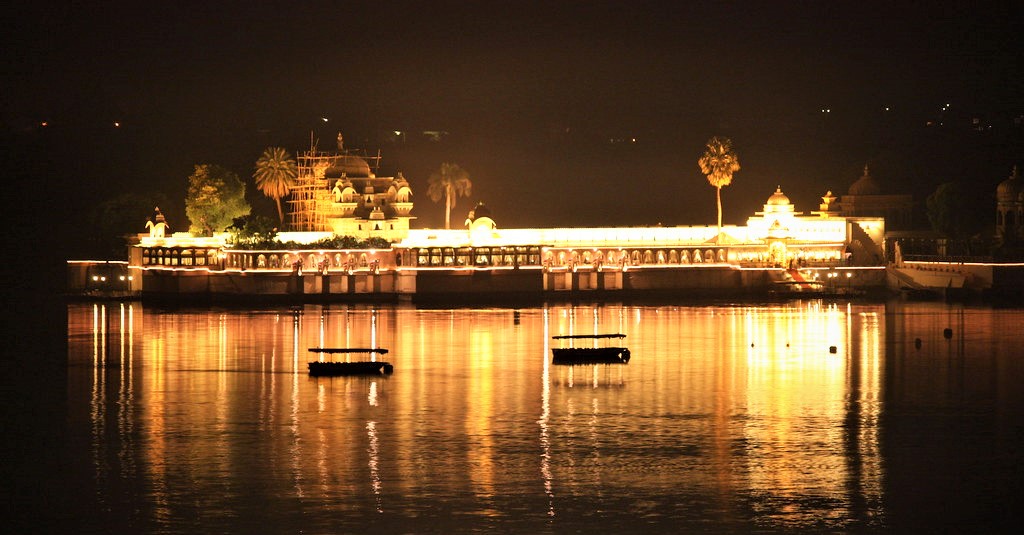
340	192
866	198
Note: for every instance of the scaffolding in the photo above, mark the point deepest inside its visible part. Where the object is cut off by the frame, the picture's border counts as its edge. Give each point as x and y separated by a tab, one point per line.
311	201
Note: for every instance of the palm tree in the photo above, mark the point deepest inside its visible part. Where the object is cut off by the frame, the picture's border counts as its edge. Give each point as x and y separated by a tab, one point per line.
275	175
719	162
450	181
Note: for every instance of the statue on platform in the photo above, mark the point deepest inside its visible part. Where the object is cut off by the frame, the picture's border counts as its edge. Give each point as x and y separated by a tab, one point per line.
157	225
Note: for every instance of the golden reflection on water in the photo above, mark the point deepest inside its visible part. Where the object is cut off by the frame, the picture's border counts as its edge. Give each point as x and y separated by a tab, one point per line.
745	407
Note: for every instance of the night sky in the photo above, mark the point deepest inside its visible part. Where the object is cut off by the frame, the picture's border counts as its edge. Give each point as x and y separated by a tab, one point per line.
541	101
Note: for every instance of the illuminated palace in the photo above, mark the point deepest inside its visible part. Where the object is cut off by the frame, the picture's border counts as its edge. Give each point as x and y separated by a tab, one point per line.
340	194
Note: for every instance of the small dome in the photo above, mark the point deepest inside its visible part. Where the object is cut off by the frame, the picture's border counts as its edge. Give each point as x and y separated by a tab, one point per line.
1010	189
480	211
778	198
865	185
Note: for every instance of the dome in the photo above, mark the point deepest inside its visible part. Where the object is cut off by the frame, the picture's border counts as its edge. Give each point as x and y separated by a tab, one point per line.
1010	189
349	165
865	185
778	198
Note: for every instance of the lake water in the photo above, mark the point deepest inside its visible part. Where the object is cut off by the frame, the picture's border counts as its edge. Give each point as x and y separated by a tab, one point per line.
807	416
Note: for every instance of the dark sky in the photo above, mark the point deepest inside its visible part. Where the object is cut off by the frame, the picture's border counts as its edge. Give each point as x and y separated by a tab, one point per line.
534	97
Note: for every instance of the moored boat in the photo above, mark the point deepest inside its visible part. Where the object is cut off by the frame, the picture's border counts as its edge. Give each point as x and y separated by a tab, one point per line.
328	368
590	355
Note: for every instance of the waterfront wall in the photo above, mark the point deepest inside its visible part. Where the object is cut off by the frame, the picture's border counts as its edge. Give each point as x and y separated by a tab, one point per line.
470	283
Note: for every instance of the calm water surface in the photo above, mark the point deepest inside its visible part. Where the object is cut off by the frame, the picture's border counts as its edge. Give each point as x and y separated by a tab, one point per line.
804	416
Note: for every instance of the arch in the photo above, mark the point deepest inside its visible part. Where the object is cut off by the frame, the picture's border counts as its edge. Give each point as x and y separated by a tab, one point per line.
587	258
363	260
261	261
648	257
673	257
274	261
721	255
709	256
661	257
634	257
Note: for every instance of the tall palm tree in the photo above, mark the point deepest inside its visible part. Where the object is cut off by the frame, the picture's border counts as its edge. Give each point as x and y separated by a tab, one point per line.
719	162
275	175
450	181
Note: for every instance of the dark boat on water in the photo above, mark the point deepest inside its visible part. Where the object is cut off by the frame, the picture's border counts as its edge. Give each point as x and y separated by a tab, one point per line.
329	368
590	355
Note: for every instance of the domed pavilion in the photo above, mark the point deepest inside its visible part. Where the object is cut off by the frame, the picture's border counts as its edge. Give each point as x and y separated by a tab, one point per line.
867	198
340	192
1010	208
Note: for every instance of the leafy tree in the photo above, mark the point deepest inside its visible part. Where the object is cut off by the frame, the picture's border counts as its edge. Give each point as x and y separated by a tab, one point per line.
275	175
958	212
449	182
376	243
252	229
114	220
719	162
214	199
332	242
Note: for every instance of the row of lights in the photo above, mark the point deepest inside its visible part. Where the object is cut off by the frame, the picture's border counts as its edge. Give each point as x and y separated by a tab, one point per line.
103	278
